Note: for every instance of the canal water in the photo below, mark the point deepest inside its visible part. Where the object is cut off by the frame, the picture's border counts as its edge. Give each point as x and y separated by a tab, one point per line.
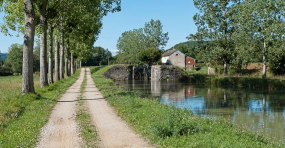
256	110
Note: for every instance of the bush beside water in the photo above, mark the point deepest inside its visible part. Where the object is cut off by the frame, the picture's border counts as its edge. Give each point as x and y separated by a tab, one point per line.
167	126
235	82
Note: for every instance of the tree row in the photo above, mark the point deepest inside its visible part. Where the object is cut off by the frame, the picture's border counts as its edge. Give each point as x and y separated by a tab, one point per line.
67	30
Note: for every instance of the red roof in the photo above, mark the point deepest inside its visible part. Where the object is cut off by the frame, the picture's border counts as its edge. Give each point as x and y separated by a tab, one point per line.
168	53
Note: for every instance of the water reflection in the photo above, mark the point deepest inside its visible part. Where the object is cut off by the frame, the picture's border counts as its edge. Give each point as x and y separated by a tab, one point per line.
256	110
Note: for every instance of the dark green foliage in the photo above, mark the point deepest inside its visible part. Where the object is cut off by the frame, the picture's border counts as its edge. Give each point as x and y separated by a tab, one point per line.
36	59
236	82
134	41
277	64
189	48
98	56
149	55
15	58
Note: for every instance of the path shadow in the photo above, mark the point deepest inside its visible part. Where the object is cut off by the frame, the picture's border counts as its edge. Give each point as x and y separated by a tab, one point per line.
68	101
93	99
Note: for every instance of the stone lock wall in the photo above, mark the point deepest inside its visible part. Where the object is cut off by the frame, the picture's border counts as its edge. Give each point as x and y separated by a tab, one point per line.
158	72
165	72
119	72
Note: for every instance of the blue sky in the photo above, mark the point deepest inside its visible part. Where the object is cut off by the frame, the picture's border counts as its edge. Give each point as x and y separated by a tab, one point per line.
175	15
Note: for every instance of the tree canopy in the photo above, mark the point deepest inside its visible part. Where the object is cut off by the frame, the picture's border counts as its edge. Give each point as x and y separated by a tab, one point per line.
134	41
240	32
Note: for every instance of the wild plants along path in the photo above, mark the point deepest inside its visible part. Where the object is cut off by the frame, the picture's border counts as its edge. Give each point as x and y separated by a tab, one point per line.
61	131
112	130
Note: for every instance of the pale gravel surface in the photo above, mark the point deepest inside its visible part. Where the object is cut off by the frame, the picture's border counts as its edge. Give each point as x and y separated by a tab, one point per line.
61	131
112	130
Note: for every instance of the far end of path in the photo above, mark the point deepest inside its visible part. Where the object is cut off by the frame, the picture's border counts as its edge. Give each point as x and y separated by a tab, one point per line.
112	130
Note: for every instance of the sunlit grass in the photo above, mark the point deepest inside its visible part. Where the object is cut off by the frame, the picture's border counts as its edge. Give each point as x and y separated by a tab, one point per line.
23	116
87	130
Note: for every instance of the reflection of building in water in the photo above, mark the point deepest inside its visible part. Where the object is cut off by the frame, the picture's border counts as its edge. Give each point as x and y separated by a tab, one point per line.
177	93
155	88
174	96
189	92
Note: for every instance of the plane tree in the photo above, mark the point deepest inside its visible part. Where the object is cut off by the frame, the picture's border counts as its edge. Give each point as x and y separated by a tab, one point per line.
34	17
261	26
215	26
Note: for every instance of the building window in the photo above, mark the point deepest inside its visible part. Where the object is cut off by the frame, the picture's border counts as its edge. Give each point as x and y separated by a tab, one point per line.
177	54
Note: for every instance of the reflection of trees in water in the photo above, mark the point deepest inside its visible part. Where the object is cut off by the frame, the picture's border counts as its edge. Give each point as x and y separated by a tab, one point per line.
255	110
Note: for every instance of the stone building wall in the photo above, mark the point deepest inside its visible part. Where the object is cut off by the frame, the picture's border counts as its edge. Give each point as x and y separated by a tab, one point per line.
178	59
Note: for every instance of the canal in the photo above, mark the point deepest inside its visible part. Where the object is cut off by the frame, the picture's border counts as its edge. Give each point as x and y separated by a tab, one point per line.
256	110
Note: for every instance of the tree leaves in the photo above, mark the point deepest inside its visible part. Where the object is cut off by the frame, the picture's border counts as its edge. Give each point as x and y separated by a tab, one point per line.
134	41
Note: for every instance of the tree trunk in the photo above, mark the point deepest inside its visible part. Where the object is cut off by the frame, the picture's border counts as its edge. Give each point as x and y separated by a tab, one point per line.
72	64
225	68
67	55
43	48
56	59
61	72
66	66
69	60
27	72
50	66
264	61
76	64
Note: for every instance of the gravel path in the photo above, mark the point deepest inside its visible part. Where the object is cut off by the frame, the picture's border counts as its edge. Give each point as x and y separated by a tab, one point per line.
61	131
112	130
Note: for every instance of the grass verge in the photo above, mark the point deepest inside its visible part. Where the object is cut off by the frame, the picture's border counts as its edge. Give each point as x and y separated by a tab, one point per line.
167	126
23	116
87	130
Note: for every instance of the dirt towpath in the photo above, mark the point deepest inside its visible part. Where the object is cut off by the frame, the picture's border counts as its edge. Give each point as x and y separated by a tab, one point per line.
112	130
61	131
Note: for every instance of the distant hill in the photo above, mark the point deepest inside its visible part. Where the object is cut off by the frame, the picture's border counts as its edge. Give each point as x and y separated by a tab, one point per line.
188	48
3	56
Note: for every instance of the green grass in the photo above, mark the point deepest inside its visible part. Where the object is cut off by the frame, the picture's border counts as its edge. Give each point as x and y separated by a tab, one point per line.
167	126
23	116
87	130
12	103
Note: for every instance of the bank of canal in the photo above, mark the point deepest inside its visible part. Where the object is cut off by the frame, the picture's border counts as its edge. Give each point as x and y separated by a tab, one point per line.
258	111
172	127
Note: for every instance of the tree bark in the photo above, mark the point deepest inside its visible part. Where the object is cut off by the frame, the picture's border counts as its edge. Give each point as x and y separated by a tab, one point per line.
72	64
50	66
43	47
67	61
56	63
225	68
27	72
264	60
66	65
61	72
76	64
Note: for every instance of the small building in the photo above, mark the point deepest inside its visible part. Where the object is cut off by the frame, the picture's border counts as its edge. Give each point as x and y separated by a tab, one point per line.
177	58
